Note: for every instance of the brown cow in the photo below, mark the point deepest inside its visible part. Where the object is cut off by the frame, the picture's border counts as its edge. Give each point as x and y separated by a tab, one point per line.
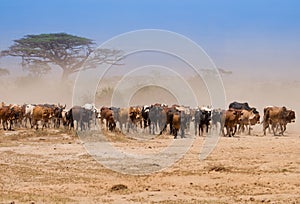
7	116
43	114
134	117
230	119
107	114
18	114
289	118
175	124
277	116
248	119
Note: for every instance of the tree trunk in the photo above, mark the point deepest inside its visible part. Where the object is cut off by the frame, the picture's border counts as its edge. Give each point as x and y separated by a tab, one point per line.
65	75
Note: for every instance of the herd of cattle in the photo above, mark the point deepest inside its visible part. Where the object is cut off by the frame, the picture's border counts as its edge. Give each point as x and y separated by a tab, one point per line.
156	118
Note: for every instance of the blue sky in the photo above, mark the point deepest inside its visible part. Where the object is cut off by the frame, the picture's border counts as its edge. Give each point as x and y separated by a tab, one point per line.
240	35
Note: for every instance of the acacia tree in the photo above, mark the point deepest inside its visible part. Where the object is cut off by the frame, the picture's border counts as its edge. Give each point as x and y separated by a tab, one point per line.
66	51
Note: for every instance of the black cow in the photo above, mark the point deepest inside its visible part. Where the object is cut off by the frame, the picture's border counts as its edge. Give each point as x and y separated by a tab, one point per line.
145	116
57	115
202	118
216	117
240	106
156	118
82	116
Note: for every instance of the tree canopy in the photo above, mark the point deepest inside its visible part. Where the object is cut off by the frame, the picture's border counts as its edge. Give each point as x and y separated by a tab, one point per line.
67	51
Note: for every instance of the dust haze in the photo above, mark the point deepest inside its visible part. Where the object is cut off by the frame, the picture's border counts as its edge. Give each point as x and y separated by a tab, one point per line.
258	92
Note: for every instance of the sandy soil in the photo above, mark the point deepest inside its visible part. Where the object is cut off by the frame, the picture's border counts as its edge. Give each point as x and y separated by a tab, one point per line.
54	167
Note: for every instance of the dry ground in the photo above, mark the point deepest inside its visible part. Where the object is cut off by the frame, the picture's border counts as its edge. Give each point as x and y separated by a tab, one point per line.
53	167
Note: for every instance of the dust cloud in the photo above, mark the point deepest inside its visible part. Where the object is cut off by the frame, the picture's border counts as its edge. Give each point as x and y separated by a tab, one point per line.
258	93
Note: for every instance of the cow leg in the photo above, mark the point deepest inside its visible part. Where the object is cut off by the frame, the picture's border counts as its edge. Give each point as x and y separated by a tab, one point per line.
284	128
149	124
76	124
106	124
281	129
10	124
43	124
222	129
265	126
227	131
81	125
30	121
234	131
201	131
171	127
121	125
207	128
128	124
36	125
273	129
240	129
196	127
249	132
175	133
182	132
3	124
89	124
231	132
164	128
25	122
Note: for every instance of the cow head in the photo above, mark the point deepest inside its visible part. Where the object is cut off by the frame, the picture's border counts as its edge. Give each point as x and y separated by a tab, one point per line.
291	116
135	114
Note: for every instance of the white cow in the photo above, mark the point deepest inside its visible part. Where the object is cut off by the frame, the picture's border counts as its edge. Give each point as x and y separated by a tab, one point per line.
28	113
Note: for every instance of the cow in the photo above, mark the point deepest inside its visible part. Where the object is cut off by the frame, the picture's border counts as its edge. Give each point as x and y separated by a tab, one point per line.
57	115
116	111
82	117
290	117
184	122
239	106
43	114
7	116
216	118
65	117
157	118
230	120
277	116
185	118
145	115
18	113
108	114
134	117
50	108
176	121
167	119
123	117
28	113
202	119
90	107
248	119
